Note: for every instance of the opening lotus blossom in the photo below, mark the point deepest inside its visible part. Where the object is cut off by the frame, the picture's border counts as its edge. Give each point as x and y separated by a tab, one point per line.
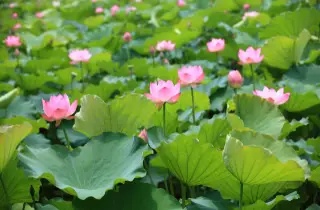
250	56
39	15
250	14
114	10
235	79
216	45
275	97
16	26
181	3
77	56
144	135
127	37
15	15
130	9
99	10
246	6
163	92
165	46
12	5
12	41
190	75
58	108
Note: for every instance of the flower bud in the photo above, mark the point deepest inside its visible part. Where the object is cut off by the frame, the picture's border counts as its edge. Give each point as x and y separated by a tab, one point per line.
235	79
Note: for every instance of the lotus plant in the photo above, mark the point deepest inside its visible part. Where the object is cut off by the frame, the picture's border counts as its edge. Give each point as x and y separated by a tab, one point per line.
273	96
13	41
191	76
216	45
114	10
144	135
235	79
99	10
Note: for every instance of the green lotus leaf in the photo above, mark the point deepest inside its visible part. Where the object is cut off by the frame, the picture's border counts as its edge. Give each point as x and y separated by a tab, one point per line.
259	114
299	102
91	170
304	74
129	197
258	165
188	160
7	98
315	176
313	207
94	21
292	126
36	124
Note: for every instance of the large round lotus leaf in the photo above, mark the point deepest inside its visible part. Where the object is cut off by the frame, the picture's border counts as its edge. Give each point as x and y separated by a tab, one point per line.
125	115
132	196
257	165
259	114
193	162
90	170
10	137
315	176
15	186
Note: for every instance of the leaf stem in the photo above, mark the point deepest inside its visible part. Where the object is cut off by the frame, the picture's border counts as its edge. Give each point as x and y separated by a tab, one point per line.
166	185
67	139
147	169
253	82
241	196
164	119
82	77
183	195
171	185
193	108
24	206
192	192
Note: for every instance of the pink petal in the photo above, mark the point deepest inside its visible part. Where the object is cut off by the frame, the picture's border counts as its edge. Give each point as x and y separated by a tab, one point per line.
59	114
283	99
50	119
174	99
72	108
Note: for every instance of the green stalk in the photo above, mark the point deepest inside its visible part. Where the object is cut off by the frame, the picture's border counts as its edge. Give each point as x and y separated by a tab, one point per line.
164	119
171	185
24	206
4	188
128	51
192	192
82	77
193	108
183	195
241	195
253	82
67	139
166	186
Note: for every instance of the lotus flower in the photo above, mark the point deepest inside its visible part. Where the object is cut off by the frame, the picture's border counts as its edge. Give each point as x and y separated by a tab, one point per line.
127	37
250	56
163	92
93	1
58	108
144	135
77	56
99	10
16	26
181	3
12	5
129	9
275	97
246	6
15	15
12	41
250	14
114	10
190	75
235	79
39	15
152	50
216	45
165	46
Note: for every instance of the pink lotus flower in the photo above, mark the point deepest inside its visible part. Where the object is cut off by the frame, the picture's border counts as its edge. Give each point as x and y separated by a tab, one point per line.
163	92
250	56
39	15
144	135
246	6
15	15
114	10
79	56
216	45
275	97
181	3
165	46
127	37
12	5
190	75
235	79
58	108
16	26
12	41
99	10
129	9
250	14
93	1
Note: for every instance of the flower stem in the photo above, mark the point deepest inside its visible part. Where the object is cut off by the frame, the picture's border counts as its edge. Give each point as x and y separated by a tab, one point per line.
241	195
166	185
171	185
67	139
164	118
253	82
183	195
24	206
217	57
235	91
82	77
193	109
128	51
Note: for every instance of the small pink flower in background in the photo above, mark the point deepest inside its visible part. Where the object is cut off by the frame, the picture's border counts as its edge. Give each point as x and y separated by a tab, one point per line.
12	5
163	92
12	41
144	135
152	50
190	75
39	15
77	56
56	3
246	6
93	1
216	45
165	46
250	56
99	10
16	52
181	3
235	79
129	9
58	108
250	14
16	26
127	37
275	97
114	10
15	15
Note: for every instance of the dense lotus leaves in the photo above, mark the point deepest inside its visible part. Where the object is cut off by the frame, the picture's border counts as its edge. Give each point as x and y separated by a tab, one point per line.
21	107
209	202
304	74
128	198
292	126
259	114
36	124
315	176
83	172
302	101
